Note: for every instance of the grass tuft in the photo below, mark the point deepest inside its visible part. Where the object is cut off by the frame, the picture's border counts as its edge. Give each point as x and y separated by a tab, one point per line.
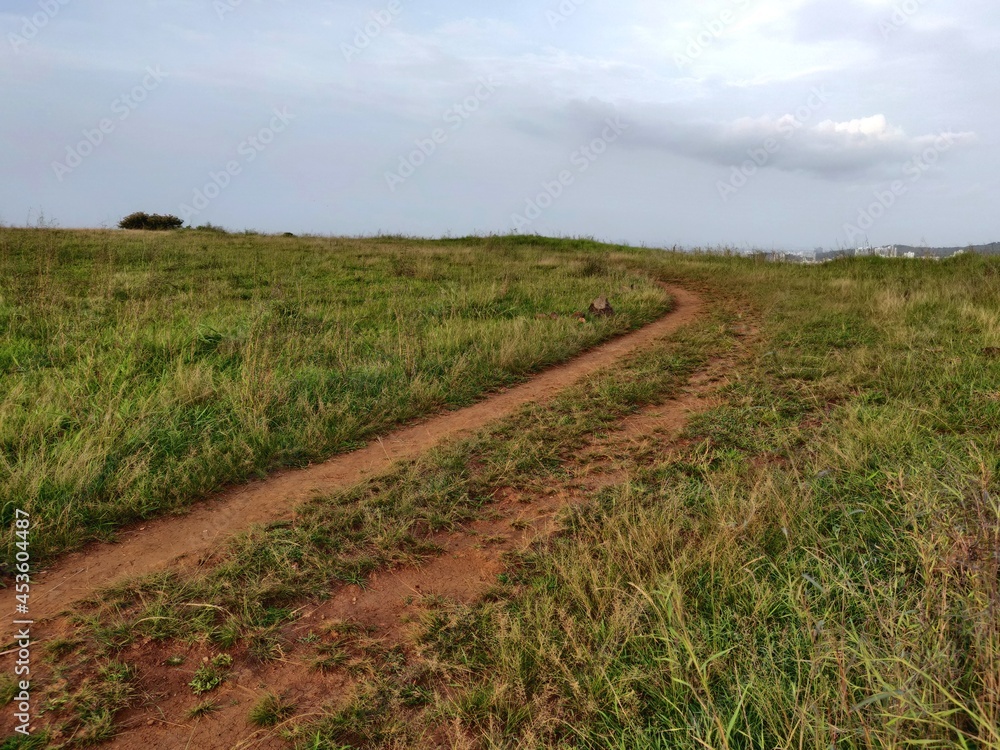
270	710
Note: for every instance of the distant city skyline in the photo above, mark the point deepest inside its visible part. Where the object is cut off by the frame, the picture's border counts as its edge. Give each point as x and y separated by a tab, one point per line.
747	123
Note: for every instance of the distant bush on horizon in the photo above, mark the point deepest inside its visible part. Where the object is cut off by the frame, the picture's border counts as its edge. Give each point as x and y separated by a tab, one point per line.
210	227
154	222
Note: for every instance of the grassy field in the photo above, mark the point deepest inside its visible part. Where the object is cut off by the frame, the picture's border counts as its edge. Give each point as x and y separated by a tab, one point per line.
815	564
141	371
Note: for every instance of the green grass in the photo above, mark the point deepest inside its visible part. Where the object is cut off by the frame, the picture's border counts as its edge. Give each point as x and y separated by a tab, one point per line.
843	593
270	710
203	709
382	523
815	564
141	371
86	711
818	565
8	688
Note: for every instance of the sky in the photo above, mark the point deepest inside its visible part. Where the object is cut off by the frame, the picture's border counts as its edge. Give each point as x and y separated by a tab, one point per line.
742	123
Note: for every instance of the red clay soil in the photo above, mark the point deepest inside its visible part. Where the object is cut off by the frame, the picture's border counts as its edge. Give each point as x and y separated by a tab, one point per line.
387	605
176	540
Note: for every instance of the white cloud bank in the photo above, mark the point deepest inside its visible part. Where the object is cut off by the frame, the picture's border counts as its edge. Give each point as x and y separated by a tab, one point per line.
798	141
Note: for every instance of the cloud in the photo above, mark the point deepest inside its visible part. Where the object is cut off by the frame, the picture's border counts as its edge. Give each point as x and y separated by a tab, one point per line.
891	98
867	146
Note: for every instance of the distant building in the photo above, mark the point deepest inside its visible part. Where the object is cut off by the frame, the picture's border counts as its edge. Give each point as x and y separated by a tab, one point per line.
884	251
819	255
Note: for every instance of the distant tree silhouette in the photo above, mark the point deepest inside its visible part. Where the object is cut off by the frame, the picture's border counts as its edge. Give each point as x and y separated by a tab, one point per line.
155	222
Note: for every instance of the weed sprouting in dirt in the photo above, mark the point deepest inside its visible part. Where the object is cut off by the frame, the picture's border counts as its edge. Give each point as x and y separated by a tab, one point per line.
205	708
270	710
206	679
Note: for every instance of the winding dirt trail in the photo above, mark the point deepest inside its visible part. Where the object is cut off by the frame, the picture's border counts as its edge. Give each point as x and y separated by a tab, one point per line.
388	607
184	540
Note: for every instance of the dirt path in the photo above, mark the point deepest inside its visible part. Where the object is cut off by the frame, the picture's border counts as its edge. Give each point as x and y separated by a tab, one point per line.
176	540
390	603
